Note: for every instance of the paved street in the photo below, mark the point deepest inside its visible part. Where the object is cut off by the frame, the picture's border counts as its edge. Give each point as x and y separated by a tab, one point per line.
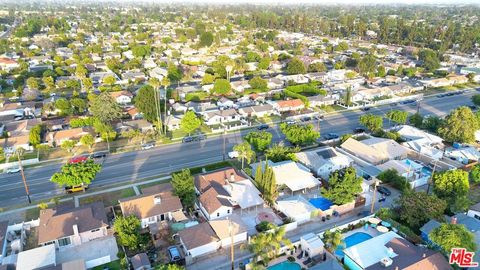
127	167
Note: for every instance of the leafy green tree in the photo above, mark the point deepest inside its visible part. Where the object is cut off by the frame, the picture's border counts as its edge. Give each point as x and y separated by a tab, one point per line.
32	83
206	39
475	174
208	79
87	84
398	181
184	188
87	140
416	120
343	186
432	123
190	122
35	135
64	106
109	80
371	121
367	64
266	183
459	126
49	83
317	67
260	140
76	174
417	208
476	99
332	239
128	230
279	152
169	267
78	105
265	246
430	59
299	134
397	116
68	145
245	152
345	137
145	103
222	87
141	50
175	74
452	186
104	108
258	83
252	57
449	236
296	66
381	71
264	63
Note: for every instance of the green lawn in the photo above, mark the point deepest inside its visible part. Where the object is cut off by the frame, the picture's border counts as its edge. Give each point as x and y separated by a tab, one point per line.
108	198
115	265
196	96
141	187
269	119
211	167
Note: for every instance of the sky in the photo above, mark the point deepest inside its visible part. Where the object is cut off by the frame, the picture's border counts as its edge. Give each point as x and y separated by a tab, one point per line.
327	1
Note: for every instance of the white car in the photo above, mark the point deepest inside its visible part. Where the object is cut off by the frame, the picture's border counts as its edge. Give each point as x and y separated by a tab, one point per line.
13	170
233	154
148	146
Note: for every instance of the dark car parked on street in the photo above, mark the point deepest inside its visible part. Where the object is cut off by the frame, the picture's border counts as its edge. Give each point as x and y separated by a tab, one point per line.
384	191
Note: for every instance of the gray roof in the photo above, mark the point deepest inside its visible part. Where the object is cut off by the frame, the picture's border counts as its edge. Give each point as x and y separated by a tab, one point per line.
329	264
429	226
472	224
475	207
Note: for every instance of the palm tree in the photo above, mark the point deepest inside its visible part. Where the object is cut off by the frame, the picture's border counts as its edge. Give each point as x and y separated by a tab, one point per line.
245	152
155	83
332	239
165	83
266	245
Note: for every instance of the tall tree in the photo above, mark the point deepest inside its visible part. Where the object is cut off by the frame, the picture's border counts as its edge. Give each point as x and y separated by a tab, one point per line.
222	87
245	152
128	230
299	134
184	188
416	120
347	98
87	140
296	66
35	135
76	174
332	239
343	186
265	246
449	236
165	83
190	122
146	101
371	121
260	140
206	39
416	208
459	126
397	116
105	109
266	183
452	186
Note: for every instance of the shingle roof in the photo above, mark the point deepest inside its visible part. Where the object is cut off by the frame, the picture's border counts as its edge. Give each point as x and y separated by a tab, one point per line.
58	223
197	236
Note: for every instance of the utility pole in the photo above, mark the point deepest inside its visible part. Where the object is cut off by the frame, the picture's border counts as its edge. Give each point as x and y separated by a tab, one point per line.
374	196
23	178
224	143
431	177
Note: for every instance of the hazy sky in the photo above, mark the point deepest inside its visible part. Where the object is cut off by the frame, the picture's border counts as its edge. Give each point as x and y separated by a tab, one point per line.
329	1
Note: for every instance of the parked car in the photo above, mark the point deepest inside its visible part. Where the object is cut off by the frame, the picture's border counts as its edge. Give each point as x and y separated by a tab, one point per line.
199	137
78	159
187	139
365	109
331	136
319	117
472	107
98	155
174	254
384	191
233	154
290	122
148	146
358	130
306	119
263	127
13	170
73	189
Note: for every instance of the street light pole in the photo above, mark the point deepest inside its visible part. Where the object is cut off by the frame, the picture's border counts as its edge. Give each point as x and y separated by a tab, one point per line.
23	178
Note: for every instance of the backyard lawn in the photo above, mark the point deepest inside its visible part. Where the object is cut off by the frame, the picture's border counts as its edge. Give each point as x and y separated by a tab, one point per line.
115	265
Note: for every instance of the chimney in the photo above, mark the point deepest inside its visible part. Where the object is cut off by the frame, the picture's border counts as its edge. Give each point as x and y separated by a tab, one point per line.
75	229
453	220
157	200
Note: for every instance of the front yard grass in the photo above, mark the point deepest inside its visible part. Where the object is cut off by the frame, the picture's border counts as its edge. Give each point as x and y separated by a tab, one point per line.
115	265
108	198
141	187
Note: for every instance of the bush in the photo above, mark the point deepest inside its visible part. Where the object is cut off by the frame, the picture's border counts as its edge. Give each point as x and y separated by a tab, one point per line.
264	226
391	176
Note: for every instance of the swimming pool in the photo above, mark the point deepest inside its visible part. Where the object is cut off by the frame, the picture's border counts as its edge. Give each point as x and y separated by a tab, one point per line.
321	203
351	241
286	265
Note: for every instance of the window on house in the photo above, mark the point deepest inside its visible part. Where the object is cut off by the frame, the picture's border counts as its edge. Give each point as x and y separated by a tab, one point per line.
64	241
95	230
228	211
218	214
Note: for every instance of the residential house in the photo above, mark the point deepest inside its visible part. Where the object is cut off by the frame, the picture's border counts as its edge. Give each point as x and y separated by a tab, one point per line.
141	125
457	79
288	105
463	154
226	229
216	117
324	160
8	64
179	108
297	78
392	252
11	144
375	150
134	113
257	111
225	103
133	76
439	82
320	100
198	240
296	208
122	97
421	141
223	190
293	175
56	138
72	227
275	83
414	172
37	258
173	122
473	211
200	107
97	77
155	205
240	86
474	70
